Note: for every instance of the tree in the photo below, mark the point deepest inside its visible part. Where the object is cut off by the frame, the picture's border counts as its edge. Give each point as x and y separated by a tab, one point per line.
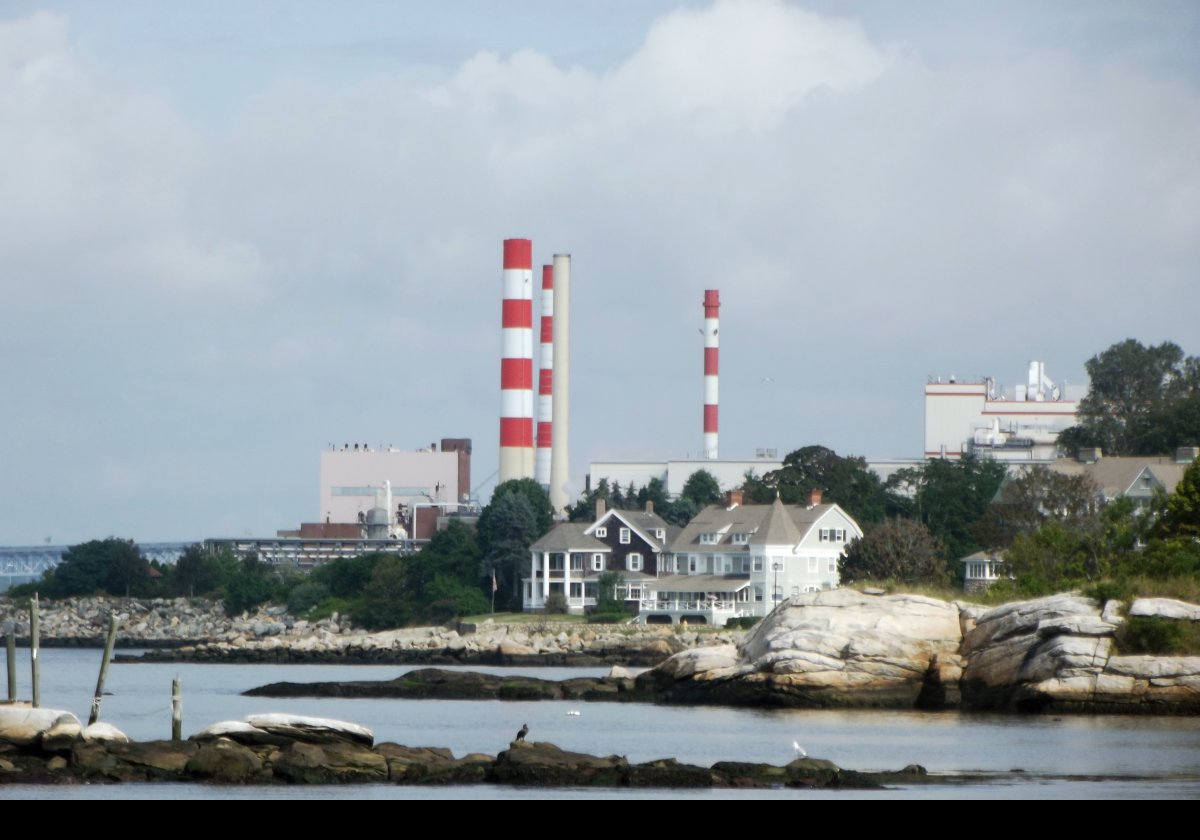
386	604
533	493
847	481
1037	496
950	496
113	566
702	489
507	527
584	510
897	549
1182	516
1141	401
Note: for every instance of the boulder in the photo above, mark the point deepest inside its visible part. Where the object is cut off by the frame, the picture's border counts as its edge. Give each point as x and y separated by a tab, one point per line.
105	733
225	761
1165	608
312	729
23	726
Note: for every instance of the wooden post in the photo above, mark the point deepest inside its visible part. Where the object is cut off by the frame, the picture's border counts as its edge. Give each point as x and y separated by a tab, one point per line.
12	664
176	710
34	665
108	649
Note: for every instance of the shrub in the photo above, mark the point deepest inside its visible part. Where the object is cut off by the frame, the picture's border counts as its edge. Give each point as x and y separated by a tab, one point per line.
556	603
306	596
1156	635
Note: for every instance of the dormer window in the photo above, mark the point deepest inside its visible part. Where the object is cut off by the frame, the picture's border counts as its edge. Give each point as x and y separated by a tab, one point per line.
709	538
660	534
601	533
740	538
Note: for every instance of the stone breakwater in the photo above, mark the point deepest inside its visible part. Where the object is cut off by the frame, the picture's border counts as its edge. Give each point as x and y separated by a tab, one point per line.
195	630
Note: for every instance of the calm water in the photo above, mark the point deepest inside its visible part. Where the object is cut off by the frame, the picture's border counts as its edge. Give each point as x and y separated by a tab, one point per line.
1152	757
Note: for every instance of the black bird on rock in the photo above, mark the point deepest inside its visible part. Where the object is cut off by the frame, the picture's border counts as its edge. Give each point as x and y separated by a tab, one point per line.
522	732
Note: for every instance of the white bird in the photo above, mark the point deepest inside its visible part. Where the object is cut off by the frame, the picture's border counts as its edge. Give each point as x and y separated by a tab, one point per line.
574	713
800	753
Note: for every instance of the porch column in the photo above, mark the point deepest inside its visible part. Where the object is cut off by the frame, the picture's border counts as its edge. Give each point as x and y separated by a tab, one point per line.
567	577
545	576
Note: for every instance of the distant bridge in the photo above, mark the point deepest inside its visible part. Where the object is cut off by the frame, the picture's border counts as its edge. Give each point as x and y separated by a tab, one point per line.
24	564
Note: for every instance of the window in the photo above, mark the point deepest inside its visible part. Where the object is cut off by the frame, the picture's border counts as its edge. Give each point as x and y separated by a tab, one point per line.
833	535
576	590
740	539
693	563
758	593
597	562
601	533
634	562
577	562
832	565
624	536
635	593
709	538
758	564
659	534
556	562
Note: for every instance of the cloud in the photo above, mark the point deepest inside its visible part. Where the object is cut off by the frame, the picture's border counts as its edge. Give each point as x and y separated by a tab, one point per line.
325	263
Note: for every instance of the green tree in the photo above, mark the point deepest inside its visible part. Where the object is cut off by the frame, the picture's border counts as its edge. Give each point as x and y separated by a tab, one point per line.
1141	401
702	489
950	497
1182	516
386	603
199	572
896	549
1037	496
506	529
584	510
846	481
608	601
1057	556
654	493
112	566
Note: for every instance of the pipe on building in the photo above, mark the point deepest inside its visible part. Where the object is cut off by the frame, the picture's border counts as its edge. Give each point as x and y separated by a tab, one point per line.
712	348
516	362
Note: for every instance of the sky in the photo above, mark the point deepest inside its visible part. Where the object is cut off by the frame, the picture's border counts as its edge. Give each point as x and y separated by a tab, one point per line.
232	233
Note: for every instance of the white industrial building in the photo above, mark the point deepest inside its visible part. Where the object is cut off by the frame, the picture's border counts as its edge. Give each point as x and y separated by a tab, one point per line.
674	474
1020	423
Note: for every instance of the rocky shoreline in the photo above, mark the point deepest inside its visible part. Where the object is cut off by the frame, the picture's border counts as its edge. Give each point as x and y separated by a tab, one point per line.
46	746
847	649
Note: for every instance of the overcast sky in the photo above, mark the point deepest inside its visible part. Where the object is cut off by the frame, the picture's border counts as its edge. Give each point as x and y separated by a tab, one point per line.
234	232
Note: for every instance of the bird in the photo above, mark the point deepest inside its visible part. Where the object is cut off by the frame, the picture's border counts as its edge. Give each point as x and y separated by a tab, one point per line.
522	732
800	753
573	713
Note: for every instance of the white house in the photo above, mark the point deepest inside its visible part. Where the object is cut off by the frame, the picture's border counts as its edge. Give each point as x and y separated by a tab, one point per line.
736	560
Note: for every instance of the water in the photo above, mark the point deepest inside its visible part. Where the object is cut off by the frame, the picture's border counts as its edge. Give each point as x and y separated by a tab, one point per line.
1141	757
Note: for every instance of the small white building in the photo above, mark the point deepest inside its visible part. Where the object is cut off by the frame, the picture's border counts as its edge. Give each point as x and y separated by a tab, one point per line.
982	569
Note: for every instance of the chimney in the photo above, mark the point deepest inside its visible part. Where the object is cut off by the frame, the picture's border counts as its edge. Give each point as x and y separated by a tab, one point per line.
650	506
599	508
712	344
814	497
516	362
1187	454
1090	454
733	498
545	398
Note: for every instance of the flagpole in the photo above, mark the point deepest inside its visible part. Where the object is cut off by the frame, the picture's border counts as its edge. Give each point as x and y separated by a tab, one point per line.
493	591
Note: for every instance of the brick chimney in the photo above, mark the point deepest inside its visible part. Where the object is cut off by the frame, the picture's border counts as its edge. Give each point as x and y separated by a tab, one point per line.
733	498
814	497
650	506
599	508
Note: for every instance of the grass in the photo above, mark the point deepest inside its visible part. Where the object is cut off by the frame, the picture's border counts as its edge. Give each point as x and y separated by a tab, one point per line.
523	618
1159	636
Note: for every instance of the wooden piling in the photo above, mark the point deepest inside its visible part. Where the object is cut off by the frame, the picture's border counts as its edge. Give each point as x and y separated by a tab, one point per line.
108	650
35	666
176	710
11	649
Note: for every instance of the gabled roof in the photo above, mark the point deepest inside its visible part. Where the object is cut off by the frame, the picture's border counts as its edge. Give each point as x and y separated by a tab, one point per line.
568	536
644	523
1121	475
773	524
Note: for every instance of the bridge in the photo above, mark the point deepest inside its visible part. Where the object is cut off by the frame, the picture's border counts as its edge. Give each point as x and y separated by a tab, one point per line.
25	564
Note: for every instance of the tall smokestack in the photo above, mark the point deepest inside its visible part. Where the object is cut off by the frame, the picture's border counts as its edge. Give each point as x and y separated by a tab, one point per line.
545	417
712	345
516	362
559	459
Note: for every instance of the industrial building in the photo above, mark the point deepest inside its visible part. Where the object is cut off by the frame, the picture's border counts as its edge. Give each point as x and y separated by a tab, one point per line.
1019	423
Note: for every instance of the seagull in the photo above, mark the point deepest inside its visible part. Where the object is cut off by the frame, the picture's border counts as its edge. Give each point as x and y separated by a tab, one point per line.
522	732
800	753
573	713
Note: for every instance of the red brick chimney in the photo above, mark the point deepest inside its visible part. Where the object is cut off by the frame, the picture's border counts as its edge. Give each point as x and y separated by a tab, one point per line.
649	506
733	498
599	508
814	497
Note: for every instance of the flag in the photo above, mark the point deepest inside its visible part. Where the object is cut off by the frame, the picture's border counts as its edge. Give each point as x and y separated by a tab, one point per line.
494	587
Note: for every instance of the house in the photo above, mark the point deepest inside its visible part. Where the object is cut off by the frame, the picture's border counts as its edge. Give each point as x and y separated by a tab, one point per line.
737	560
1135	477
982	569
570	559
732	560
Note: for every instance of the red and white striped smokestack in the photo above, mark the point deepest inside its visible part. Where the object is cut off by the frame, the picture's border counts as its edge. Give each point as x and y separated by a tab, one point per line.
516	362
712	349
545	416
